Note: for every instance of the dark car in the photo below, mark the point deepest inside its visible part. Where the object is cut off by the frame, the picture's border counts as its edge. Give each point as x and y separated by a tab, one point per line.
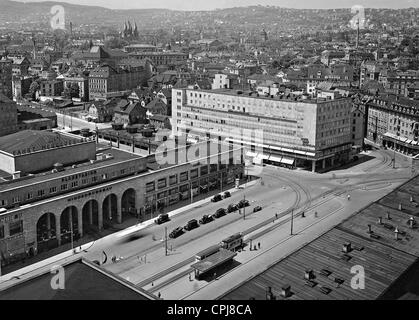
217	198
176	232
206	219
243	203
162	218
258	208
232	208
219	213
191	225
227	194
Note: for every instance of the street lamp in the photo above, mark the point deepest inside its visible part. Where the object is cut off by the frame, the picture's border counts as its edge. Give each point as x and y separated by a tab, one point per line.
292	221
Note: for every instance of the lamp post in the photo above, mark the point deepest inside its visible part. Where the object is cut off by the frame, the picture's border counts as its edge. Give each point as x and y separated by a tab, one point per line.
292	221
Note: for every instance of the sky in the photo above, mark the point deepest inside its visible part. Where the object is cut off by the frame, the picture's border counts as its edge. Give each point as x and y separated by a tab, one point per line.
214	4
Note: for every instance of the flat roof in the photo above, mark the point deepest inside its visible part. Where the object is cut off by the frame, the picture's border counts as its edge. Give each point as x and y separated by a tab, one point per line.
214	260
387	262
118	156
245	94
83	281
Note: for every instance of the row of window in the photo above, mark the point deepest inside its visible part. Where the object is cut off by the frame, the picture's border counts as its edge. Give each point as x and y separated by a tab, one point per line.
15	228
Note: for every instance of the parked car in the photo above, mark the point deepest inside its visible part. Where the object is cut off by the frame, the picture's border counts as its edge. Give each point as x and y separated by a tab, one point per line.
232	208
258	208
193	224
243	203
227	194
206	219
217	198
176	233
164	217
219	213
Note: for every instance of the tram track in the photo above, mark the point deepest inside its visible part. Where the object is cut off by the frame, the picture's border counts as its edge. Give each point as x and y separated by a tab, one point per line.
305	206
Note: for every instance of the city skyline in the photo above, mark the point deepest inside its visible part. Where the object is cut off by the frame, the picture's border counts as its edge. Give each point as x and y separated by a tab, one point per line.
198	5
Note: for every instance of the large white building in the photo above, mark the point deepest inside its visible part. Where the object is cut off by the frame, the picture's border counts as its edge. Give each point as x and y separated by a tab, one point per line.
297	131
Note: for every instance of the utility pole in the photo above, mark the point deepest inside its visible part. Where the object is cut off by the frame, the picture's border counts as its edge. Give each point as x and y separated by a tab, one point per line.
394	157
244	207
292	221
191	193
165	239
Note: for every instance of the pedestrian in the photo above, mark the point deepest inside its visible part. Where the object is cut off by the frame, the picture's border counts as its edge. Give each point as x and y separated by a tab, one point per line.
215	275
259	245
303	215
276	216
159	295
190	278
315	214
254	248
349	197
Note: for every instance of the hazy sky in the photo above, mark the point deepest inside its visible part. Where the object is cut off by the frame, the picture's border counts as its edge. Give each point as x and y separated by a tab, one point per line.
212	4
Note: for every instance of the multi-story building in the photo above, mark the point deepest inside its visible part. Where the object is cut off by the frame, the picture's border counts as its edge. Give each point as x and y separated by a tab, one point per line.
8	116
51	88
399	82
107	81
296	131
21	86
162	58
20	66
94	187
82	82
357	125
6	75
393	122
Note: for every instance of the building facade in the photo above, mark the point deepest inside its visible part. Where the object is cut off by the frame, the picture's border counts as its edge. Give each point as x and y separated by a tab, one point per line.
8	116
106	81
6	75
102	193
310	132
393	122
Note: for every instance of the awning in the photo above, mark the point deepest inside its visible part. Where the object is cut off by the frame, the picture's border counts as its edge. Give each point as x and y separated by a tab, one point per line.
287	160
275	159
251	154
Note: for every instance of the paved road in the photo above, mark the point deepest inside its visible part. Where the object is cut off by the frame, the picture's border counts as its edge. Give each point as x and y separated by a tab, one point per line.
280	190
73	123
143	254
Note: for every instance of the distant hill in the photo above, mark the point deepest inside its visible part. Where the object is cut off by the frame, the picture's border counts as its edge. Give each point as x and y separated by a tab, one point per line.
241	19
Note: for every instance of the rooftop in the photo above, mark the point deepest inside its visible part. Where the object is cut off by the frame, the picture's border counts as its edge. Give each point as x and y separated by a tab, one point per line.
117	156
83	281
389	264
254	94
32	141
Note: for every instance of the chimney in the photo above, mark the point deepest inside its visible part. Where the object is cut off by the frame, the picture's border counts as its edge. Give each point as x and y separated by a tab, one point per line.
286	291
347	247
369	229
309	274
396	234
412	222
16	175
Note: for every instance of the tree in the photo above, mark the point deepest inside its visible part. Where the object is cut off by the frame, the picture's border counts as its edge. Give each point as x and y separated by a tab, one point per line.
34	87
72	91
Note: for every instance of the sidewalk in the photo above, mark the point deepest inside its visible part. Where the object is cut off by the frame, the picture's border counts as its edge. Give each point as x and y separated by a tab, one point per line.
68	256
278	244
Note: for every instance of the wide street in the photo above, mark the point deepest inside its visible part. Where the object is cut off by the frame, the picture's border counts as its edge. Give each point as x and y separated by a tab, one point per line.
141	256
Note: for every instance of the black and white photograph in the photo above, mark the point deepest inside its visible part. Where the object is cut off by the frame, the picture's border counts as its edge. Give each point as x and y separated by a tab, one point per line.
204	157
